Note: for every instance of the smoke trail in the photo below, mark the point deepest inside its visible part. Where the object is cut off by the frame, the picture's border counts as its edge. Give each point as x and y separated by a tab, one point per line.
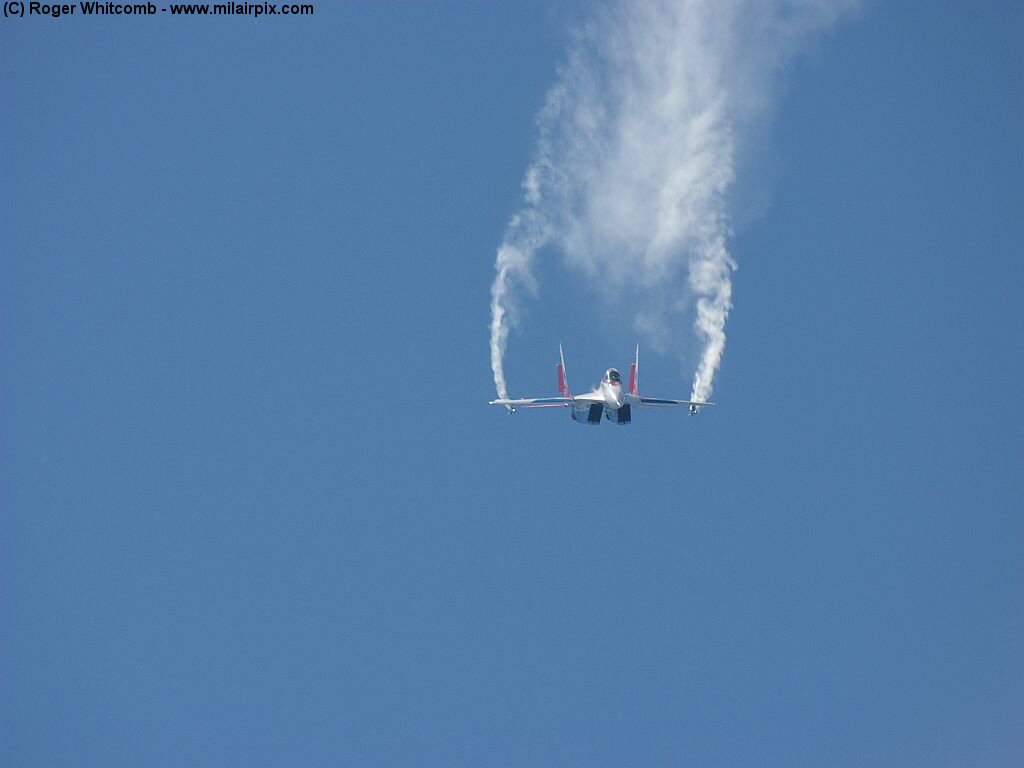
639	141
526	233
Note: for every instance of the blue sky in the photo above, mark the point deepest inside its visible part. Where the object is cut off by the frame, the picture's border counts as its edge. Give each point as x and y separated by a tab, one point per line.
256	510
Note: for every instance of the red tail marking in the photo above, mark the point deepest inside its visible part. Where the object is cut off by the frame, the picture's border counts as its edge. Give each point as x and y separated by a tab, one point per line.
634	370
562	386
563	383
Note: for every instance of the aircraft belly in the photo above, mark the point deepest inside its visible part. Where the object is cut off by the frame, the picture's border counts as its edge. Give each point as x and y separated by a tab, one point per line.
620	416
587	413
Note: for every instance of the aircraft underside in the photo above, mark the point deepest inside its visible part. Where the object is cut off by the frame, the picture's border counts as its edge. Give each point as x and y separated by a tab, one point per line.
591	414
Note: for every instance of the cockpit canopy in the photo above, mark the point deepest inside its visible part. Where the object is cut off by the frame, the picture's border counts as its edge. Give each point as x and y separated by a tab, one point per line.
613	376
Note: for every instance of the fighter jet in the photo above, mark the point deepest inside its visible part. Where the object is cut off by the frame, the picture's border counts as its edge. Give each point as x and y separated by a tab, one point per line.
608	399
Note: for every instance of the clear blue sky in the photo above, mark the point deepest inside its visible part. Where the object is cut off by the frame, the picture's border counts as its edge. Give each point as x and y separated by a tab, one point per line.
256	511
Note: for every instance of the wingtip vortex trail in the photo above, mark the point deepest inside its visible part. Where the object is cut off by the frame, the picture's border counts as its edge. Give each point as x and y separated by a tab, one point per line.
636	159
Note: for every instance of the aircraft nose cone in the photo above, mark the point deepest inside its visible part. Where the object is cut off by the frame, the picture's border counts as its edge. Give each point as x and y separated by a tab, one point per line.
617	397
613	395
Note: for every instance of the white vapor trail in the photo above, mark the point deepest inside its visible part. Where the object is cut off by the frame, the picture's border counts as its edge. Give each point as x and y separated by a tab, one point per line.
655	107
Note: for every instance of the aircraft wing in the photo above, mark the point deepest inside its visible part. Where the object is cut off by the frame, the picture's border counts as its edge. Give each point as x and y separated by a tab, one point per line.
550	402
655	402
535	402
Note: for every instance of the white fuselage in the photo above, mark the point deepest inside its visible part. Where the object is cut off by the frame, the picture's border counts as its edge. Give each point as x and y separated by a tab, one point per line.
613	394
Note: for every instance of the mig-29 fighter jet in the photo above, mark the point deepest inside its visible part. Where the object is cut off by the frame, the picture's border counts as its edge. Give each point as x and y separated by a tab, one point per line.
608	399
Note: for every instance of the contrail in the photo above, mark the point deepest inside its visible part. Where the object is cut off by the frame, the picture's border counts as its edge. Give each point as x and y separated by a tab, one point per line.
655	107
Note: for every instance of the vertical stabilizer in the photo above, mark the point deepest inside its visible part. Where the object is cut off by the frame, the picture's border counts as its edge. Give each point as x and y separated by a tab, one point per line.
634	374
563	383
